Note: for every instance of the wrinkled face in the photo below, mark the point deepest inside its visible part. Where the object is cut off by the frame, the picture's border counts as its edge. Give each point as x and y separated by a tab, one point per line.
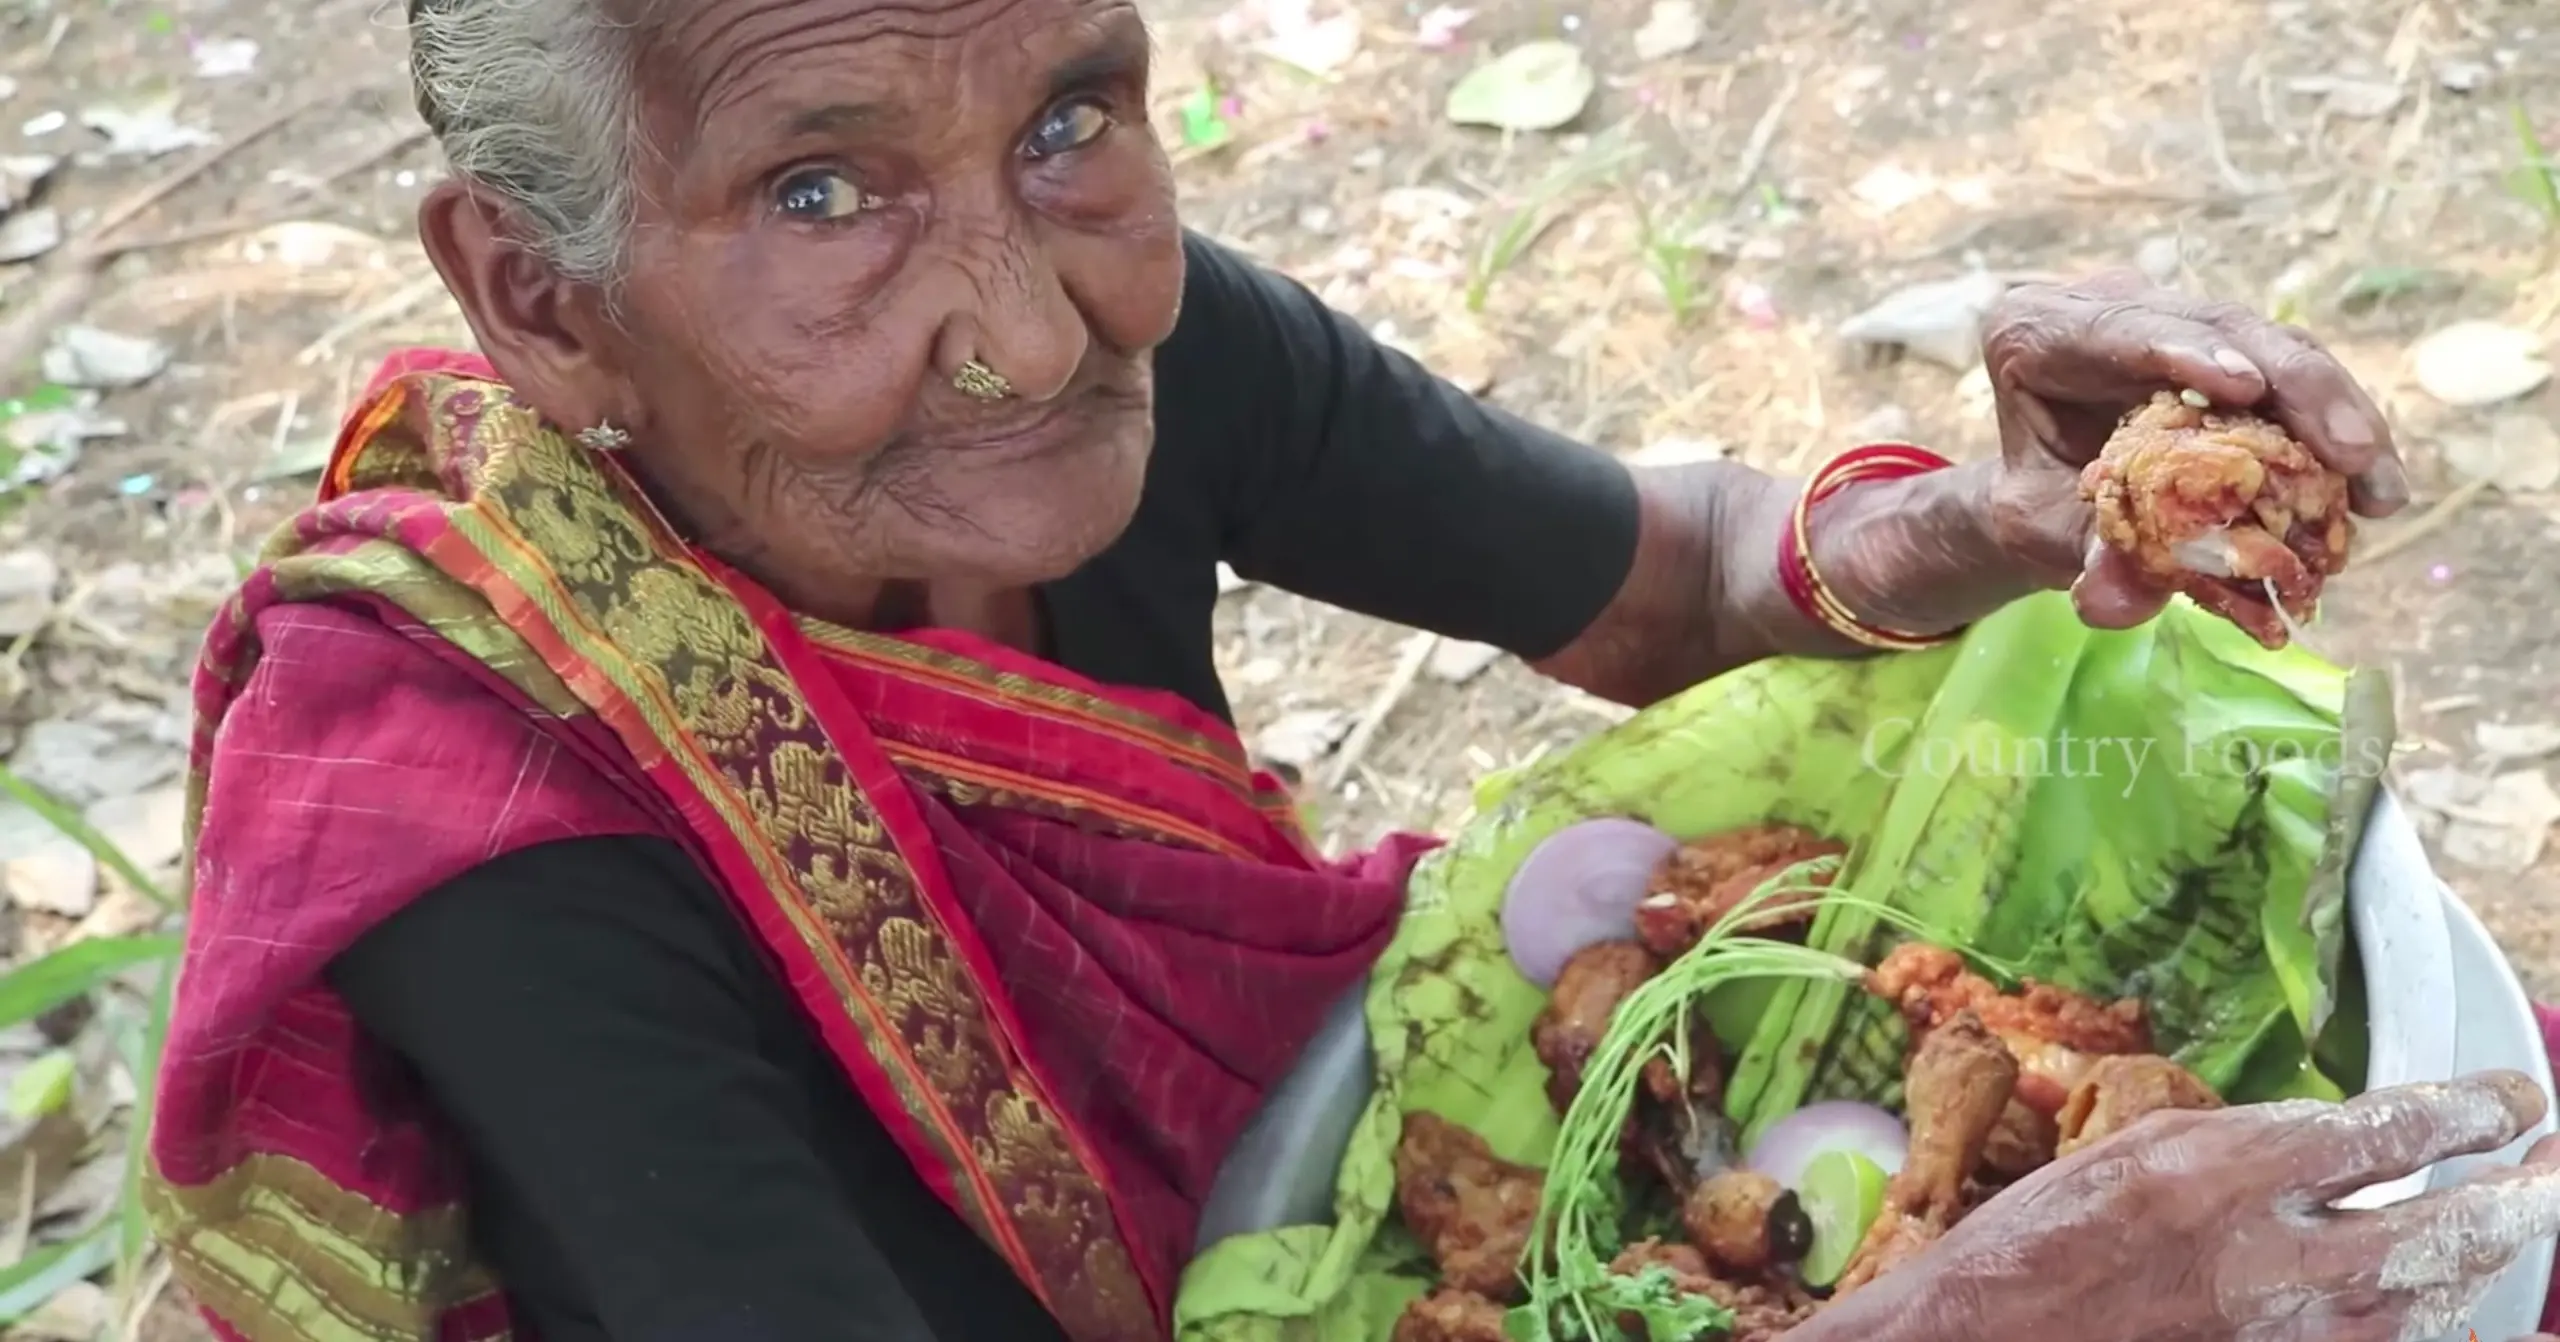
842	202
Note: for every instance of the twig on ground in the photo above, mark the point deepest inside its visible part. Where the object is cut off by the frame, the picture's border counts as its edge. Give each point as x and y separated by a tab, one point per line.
1755	151
388	310
284	211
1417	651
2424	524
92	249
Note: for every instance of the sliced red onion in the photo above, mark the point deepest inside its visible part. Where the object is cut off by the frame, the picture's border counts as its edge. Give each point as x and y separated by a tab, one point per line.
1578	887
1792	1142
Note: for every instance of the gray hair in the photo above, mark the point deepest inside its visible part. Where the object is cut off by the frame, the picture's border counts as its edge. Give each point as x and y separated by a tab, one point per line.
534	101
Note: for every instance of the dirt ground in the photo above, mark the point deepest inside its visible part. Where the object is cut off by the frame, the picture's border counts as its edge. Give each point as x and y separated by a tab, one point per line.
2351	163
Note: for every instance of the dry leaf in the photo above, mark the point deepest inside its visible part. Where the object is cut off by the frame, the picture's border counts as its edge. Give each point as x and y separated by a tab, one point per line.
1534	86
2479	363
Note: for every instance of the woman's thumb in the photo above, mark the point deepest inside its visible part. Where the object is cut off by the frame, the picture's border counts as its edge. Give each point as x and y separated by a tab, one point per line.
2112	592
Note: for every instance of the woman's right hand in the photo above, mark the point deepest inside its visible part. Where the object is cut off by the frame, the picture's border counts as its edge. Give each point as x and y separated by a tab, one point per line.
2203	1226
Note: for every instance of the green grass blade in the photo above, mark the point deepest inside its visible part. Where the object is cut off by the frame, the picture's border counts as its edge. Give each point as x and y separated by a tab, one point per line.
40	985
26	1284
2538	181
79	831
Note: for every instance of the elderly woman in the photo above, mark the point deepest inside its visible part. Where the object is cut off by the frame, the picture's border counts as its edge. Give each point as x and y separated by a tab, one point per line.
721	823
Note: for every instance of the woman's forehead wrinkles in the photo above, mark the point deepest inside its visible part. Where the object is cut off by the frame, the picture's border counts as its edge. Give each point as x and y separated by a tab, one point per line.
724	50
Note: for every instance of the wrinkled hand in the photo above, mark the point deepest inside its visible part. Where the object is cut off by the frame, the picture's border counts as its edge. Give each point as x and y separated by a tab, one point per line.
2215	1226
2066	363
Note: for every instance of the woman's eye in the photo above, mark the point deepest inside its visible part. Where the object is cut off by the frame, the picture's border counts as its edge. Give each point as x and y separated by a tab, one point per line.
821	193
1067	126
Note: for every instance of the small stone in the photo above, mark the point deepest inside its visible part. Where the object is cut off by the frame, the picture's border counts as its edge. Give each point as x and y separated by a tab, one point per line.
1672	27
1888	187
1302	737
21	174
1457	663
24	237
149	828
2463	76
45	870
87	356
1940	321
2499	823
27	580
81	762
2160	259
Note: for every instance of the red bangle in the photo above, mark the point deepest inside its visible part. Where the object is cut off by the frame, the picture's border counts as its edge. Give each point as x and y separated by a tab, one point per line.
1877	461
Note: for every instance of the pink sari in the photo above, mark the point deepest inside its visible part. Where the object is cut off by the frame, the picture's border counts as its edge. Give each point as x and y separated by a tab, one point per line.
1060	936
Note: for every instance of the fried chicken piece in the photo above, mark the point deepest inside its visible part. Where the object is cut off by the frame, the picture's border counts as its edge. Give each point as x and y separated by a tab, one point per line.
1472	1210
2222	507
1961	1080
1746	1223
1676	1130
2053	1032
1587	993
2117	1091
2023	1143
1702	881
1451	1316
1762	1310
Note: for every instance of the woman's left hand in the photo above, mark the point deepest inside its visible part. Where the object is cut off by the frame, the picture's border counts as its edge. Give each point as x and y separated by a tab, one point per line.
2067	362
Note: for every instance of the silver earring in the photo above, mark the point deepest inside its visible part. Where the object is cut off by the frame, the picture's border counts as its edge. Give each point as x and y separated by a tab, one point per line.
604	438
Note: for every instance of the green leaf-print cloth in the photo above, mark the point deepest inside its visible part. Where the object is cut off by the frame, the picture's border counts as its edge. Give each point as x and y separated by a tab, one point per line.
2146	812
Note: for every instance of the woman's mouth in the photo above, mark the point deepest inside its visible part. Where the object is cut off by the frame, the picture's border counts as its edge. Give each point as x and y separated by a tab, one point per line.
1036	431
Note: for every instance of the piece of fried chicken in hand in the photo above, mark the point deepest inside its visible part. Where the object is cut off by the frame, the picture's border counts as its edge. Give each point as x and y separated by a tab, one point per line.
1472	1210
1960	1082
1704	879
2223	507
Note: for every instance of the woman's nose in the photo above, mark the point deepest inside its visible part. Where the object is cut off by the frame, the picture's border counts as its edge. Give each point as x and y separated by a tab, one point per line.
1023	326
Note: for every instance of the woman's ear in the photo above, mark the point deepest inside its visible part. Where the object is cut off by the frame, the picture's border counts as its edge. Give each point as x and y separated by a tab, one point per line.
541	331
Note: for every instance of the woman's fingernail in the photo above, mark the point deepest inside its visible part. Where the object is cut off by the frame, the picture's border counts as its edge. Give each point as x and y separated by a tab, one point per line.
2388	482
2349	427
2234	362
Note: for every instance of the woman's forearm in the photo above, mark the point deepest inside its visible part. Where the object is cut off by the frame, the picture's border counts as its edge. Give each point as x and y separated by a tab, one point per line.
1918	555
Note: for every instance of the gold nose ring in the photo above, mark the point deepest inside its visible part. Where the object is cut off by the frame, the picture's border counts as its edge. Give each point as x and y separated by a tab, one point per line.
981	383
